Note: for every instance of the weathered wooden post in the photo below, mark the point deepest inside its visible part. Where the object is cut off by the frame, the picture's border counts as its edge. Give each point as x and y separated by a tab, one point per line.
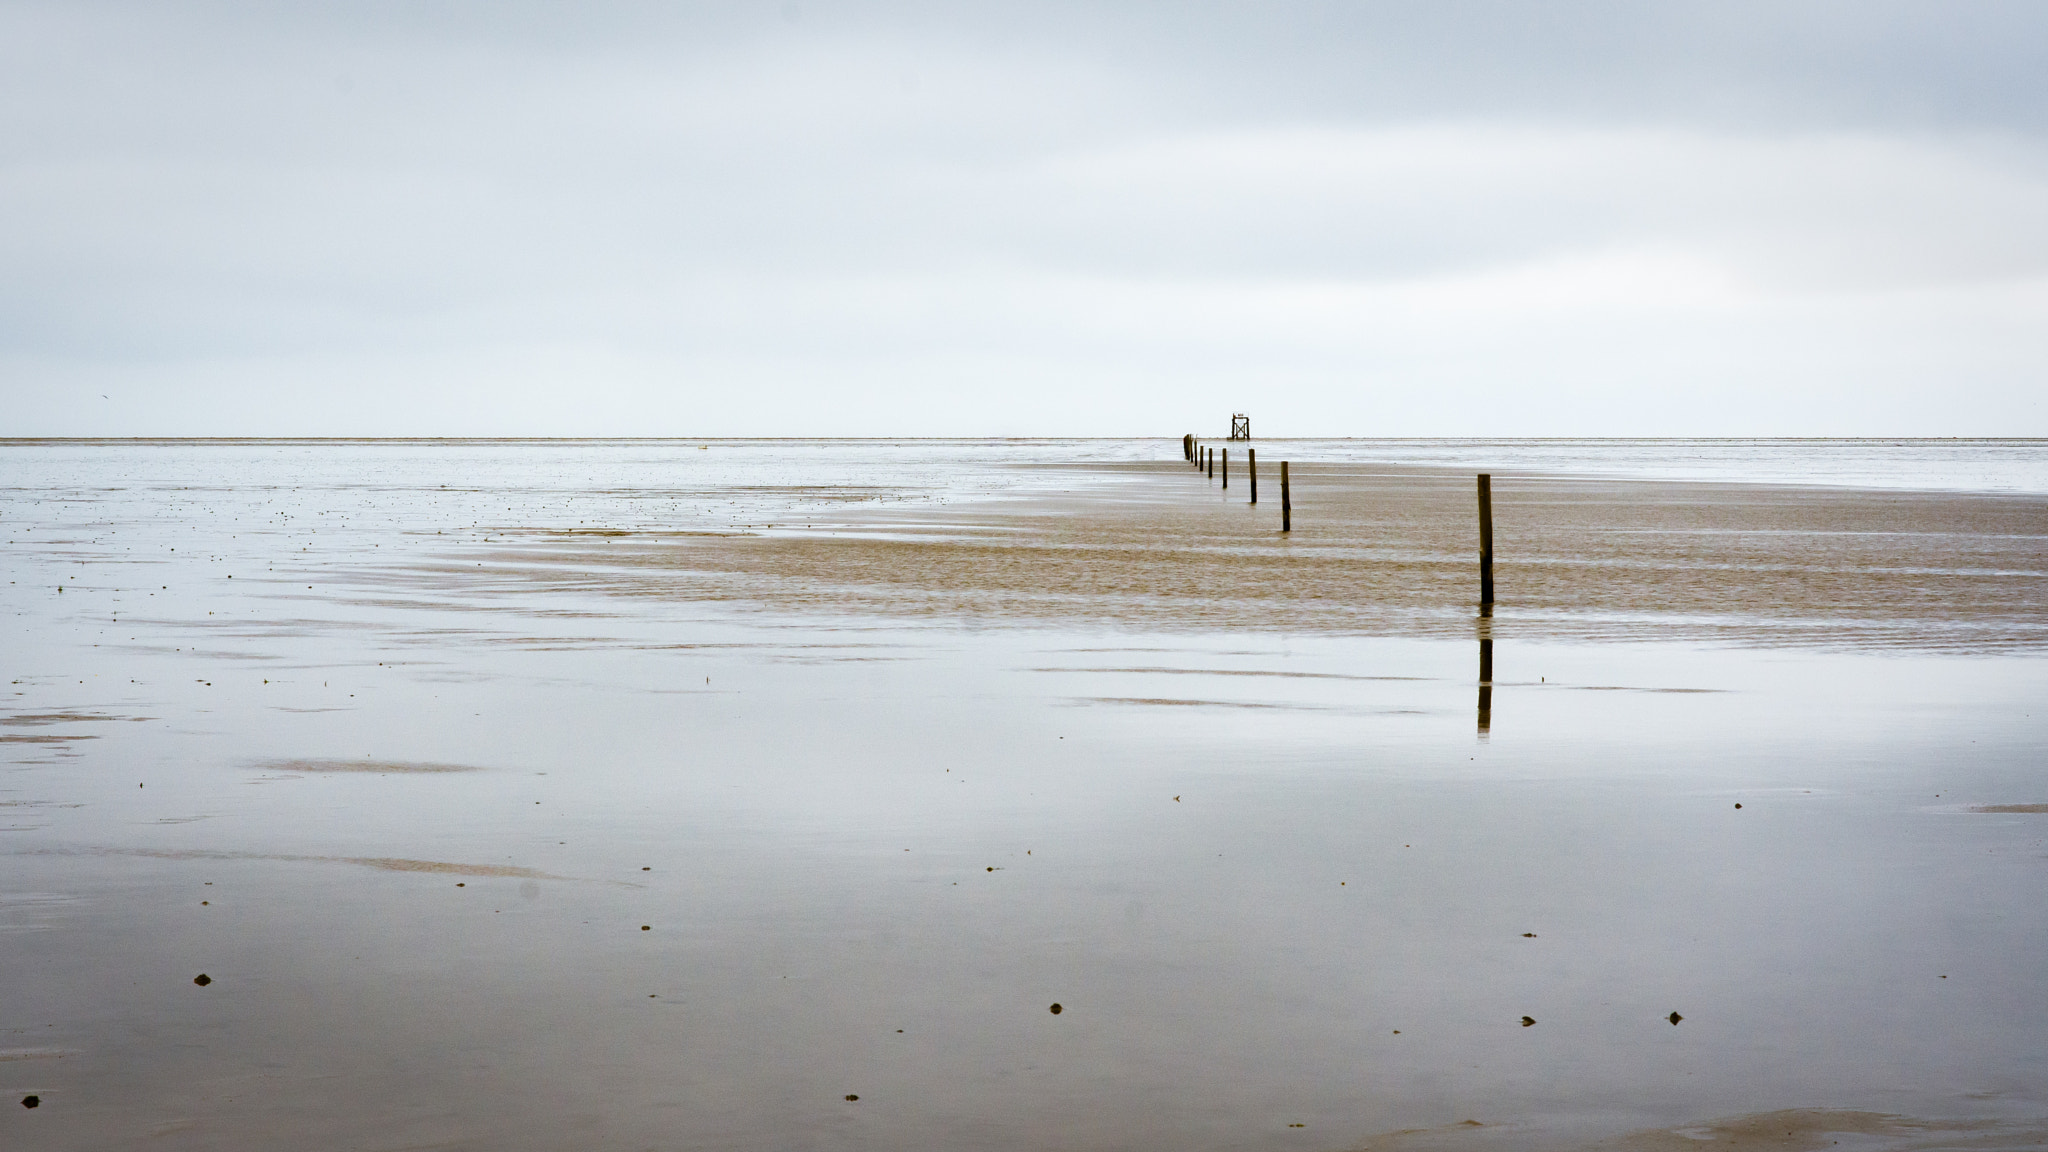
1251	465
1226	467
1187	446
1486	539
1209	461
1286	501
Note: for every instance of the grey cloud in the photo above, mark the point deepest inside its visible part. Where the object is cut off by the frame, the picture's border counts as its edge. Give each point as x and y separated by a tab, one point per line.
765	191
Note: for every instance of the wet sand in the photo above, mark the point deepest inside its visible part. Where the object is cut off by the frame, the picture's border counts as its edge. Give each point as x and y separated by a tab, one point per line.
576	806
1382	551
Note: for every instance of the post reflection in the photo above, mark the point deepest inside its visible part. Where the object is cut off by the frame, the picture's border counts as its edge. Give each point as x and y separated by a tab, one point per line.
1485	686
1484	626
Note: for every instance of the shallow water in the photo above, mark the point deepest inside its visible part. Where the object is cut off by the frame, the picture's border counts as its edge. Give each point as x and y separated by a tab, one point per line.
509	835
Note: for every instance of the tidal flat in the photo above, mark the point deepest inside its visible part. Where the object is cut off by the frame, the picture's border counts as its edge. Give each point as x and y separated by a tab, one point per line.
769	794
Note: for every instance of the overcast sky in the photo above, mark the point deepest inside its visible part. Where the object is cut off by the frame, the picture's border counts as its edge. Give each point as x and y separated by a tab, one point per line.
980	218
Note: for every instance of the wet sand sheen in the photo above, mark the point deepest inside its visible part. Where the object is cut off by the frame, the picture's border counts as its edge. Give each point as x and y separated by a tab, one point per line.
1785	1130
376	767
827	819
381	863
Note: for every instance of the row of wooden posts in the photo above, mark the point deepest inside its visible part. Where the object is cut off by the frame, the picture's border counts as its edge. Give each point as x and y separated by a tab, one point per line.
1204	457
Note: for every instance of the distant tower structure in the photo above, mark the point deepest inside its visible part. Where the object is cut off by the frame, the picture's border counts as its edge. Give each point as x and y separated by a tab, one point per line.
1240	427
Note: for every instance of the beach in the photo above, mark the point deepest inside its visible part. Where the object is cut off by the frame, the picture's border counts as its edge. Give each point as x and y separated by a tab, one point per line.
770	794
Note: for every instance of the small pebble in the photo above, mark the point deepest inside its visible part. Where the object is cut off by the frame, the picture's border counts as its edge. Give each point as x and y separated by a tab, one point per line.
460	884
1056	1009
1738	805
851	1096
1675	1018
31	1101
647	927
1528	935
202	979
1528	1021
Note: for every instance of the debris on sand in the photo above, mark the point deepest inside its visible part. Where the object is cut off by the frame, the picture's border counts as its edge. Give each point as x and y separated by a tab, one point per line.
31	1101
202	979
1674	1018
1056	1009
1528	1021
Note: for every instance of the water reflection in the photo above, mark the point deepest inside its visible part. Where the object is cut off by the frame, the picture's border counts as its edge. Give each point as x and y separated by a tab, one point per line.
1485	686
1485	629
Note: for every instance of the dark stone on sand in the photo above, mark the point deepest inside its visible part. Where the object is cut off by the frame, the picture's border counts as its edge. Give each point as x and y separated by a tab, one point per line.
1675	1018
647	927
1738	805
1528	935
1056	1009
1528	1021
202	979
31	1101
851	1096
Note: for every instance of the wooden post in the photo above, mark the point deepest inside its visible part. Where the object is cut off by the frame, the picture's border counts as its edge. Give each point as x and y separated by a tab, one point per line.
1187	446
1286	501
1485	538
1209	461
1251	464
1226	467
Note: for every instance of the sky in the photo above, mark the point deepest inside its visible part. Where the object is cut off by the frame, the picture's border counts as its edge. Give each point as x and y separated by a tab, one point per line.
795	218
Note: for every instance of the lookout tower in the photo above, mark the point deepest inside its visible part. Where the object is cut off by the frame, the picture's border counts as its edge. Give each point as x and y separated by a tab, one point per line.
1240	426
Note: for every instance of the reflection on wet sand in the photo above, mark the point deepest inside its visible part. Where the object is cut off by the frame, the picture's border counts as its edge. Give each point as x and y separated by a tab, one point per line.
1786	1130
381	863
377	767
841	823
1484	624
